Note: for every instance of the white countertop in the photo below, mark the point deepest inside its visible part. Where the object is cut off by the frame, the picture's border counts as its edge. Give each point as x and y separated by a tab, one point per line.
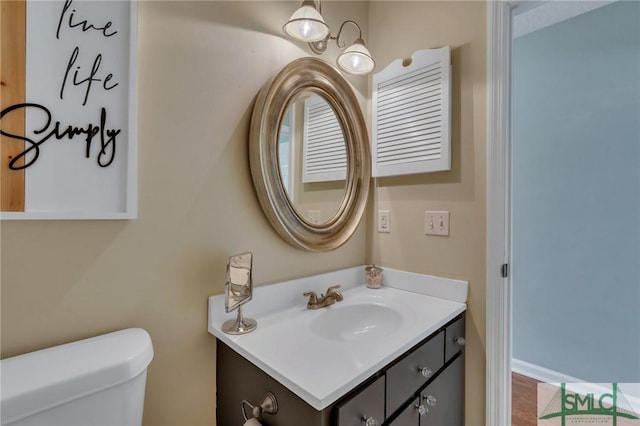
321	370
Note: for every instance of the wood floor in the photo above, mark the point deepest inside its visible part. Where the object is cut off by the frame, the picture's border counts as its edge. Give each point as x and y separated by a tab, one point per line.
524	400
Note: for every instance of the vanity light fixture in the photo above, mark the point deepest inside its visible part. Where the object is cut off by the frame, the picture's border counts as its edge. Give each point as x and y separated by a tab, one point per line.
307	24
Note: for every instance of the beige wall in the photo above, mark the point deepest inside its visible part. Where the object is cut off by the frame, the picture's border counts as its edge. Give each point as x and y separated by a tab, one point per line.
397	30
200	66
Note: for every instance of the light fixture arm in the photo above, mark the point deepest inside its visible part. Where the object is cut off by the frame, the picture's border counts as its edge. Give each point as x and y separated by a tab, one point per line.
319	47
337	37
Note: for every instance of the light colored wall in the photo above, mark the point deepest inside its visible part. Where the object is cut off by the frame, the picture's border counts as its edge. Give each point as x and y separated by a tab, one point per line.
397	30
576	196
200	66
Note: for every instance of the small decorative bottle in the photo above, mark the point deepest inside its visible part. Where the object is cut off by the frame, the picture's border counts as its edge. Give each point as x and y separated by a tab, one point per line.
373	275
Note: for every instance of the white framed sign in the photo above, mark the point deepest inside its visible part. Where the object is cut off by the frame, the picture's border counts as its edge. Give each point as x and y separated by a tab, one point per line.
79	157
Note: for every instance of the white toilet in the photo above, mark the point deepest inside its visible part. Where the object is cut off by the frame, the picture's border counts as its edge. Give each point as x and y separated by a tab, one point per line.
94	382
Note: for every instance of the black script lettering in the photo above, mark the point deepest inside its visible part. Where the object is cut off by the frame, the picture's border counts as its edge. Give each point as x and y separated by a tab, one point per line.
108	144
107	137
89	80
84	24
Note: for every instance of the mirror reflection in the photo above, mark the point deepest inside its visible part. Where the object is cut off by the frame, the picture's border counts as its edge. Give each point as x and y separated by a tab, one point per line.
312	158
239	284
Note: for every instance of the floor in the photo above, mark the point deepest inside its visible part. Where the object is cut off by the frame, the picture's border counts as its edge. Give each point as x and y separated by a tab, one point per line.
524	400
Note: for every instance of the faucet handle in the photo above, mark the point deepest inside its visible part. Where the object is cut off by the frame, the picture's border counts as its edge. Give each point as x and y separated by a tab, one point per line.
313	297
333	288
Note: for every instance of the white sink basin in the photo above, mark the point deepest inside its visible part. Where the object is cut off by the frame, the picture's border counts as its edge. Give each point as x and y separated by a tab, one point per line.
356	322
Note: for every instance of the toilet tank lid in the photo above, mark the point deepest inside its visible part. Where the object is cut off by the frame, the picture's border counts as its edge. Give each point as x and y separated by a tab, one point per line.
46	378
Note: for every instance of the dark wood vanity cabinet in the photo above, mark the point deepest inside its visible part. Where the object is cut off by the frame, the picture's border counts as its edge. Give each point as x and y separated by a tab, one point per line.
423	387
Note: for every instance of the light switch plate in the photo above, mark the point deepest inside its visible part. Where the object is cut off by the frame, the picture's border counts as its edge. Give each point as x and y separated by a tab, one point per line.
436	223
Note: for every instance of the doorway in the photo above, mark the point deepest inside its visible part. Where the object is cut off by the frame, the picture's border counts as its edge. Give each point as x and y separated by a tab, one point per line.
571	196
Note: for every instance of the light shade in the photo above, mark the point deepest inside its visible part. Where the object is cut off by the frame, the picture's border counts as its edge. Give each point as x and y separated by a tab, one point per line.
356	59
306	24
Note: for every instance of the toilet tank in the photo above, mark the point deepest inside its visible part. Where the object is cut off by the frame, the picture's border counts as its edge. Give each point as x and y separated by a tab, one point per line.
97	381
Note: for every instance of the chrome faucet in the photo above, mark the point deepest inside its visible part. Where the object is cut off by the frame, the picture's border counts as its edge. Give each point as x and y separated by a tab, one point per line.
332	296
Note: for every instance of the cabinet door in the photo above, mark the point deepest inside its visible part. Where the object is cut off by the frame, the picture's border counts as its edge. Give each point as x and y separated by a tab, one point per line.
410	373
409	416
444	398
366	404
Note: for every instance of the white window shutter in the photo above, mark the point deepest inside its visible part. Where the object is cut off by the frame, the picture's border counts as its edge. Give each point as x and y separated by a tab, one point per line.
411	115
324	149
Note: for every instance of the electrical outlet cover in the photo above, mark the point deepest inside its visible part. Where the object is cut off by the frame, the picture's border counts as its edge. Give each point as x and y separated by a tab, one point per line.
384	221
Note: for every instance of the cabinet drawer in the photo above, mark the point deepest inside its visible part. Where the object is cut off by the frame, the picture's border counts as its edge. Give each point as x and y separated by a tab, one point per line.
453	343
369	402
405	377
444	397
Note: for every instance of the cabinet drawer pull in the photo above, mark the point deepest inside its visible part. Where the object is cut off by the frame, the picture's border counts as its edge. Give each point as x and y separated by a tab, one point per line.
369	421
460	340
431	400
422	409
425	371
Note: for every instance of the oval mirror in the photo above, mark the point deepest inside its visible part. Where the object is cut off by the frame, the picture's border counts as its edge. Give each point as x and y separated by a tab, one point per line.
331	184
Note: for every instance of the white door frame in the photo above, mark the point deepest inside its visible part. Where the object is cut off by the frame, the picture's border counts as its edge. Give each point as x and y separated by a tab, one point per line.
498	288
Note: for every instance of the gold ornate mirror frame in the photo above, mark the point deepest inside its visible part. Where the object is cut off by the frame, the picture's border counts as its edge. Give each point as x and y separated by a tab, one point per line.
308	75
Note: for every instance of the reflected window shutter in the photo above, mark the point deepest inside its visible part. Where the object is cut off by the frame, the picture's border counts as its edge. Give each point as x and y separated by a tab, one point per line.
411	115
324	149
